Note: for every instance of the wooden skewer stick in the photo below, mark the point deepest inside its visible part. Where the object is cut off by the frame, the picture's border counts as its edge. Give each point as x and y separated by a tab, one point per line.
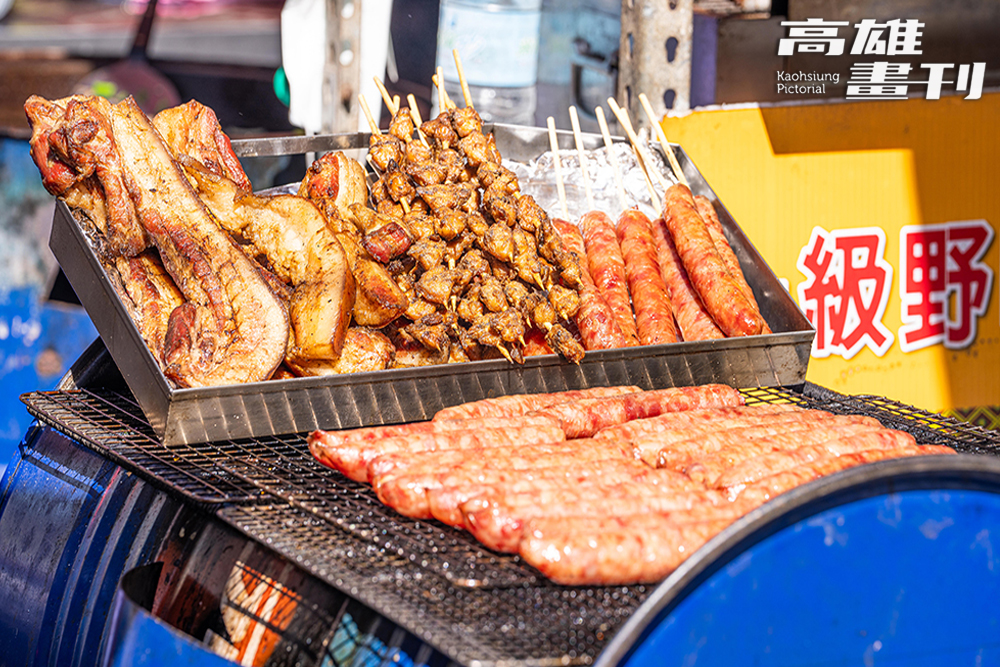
461	79
415	115
626	124
395	103
665	146
393	108
575	120
372	125
438	78
640	148
615	169
554	144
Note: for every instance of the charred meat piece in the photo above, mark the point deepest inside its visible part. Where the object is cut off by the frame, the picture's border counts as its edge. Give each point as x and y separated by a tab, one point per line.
477	223
510	325
436	284
420	225
477	149
193	129
543	314
499	242
456	248
530	216
292	234
72	139
475	263
401	126
411	354
232	328
490	171
453	164
431	331
333	183
563	342
502	209
385	151
466	121
399	186
417	153
426	173
470	307
516	292
566	302
447	196
365	350
148	293
491	294
429	252
390	208
387	242
449	224
440	130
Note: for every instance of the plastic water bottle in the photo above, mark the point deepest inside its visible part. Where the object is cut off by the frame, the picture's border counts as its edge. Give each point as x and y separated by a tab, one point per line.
497	41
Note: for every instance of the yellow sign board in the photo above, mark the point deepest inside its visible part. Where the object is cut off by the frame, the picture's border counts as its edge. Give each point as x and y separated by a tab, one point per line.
881	217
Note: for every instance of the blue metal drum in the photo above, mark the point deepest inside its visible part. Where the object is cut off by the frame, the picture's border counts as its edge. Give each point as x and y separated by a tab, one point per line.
891	563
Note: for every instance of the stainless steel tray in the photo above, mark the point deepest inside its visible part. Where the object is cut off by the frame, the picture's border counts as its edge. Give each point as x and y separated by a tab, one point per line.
184	416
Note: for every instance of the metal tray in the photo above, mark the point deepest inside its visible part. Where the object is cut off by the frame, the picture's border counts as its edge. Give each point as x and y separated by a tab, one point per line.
184	416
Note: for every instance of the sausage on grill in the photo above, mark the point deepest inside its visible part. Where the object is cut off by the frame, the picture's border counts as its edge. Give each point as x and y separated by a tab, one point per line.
519	404
764	465
607	269
723	299
615	551
408	494
693	320
781	482
352	458
654	318
584	418
497	519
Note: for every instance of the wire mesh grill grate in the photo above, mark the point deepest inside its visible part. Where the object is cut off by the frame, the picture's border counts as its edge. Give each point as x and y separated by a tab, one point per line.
473	604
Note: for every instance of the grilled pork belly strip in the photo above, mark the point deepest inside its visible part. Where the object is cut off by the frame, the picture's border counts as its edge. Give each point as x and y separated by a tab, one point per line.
232	329
148	293
519	404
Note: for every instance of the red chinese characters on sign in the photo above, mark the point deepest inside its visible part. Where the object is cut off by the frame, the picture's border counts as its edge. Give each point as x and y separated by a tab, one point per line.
846	290
944	286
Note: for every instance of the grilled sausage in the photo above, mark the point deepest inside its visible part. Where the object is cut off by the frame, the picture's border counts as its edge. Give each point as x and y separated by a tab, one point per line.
614	551
595	319
584	418
409	494
723	299
352	458
774	485
758	467
654	317
607	269
519	404
708	417
726	253
693	320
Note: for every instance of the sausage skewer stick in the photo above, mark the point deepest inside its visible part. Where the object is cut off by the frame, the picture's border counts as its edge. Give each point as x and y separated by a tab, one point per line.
626	124
575	121
461	78
668	150
608	144
554	144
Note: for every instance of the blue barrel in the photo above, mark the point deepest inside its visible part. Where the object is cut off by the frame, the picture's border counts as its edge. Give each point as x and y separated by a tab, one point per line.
890	563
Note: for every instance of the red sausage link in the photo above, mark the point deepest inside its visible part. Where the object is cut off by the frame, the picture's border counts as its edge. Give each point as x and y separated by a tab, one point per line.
723	299
607	268
654	318
726	253
692	319
595	319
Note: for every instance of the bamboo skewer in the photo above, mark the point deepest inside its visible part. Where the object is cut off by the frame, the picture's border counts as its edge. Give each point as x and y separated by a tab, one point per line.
415	116
390	103
443	98
461	79
665	146
554	144
372	125
615	169
626	124
575	121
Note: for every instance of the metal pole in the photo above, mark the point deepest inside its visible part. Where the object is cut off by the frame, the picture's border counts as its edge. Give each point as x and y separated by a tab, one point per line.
342	66
655	55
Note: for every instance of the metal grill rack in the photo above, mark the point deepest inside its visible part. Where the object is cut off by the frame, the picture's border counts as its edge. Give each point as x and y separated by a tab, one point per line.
475	605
